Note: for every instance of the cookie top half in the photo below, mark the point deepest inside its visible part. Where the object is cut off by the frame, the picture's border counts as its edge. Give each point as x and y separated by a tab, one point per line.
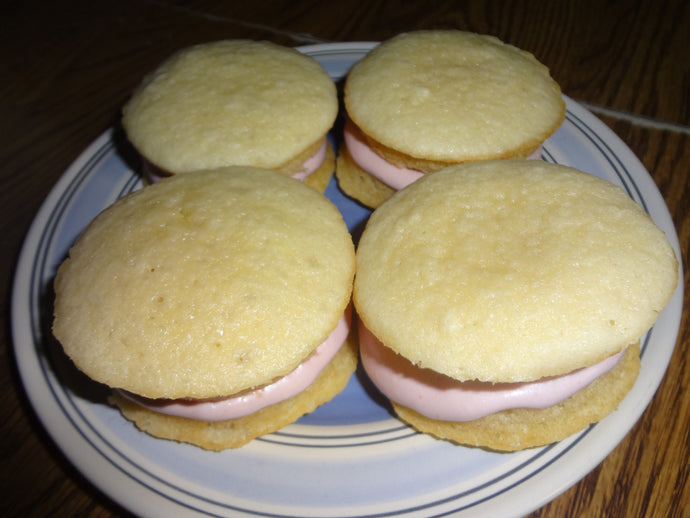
453	96
204	285
511	270
233	102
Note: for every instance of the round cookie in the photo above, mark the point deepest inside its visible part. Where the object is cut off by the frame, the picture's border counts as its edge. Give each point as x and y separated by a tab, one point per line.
233	102
204	286
428	99
511	271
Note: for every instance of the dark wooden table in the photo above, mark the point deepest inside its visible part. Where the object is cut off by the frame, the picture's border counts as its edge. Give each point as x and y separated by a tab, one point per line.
67	68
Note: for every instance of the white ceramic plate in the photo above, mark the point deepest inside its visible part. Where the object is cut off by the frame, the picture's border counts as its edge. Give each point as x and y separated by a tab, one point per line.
350	457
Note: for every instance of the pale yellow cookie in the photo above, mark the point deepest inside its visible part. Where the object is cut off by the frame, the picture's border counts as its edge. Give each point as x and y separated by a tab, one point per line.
234	102
453	96
511	270
204	285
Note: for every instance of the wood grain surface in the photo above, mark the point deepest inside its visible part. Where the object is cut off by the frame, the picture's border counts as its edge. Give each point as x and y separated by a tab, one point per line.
67	67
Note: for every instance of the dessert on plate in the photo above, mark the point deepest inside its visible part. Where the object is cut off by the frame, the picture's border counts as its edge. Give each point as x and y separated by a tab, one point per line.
501	303
425	100
235	102
216	305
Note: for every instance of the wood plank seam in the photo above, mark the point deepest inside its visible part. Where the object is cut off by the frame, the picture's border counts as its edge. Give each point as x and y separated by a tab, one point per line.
636	120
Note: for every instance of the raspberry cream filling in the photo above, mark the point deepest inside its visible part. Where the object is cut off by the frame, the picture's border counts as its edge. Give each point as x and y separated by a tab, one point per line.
311	164
377	166
248	402
373	163
440	397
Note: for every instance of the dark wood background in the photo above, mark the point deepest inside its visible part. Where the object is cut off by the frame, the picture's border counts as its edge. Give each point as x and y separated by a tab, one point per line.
67	67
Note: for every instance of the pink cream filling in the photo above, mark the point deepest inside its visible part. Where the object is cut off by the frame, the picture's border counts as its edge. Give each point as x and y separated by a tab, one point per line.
252	401
439	397
377	166
311	164
373	163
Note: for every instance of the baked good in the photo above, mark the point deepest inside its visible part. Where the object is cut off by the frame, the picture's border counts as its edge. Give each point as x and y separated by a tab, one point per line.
425	100
502	301
216	301
235	102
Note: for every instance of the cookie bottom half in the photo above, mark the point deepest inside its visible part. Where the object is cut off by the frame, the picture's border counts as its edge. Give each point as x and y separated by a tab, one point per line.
234	433
522	428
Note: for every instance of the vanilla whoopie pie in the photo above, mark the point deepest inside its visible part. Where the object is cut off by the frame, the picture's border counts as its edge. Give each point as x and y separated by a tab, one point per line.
216	305
502	302
425	100
235	102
